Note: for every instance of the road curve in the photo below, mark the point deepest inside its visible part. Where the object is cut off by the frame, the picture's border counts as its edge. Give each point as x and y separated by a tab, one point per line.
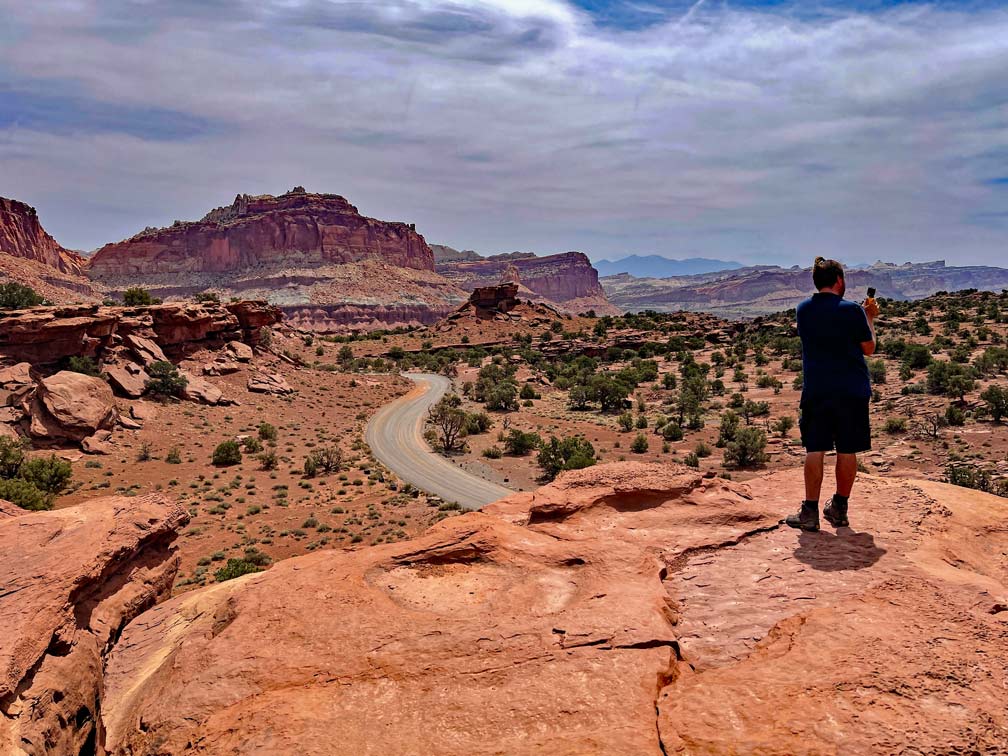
395	435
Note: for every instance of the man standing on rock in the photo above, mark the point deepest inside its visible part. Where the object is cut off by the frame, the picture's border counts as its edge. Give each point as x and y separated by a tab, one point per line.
836	335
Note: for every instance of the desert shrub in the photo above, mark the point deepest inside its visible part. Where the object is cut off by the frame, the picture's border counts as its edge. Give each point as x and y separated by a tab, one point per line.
236	568
916	356
746	449
877	371
265	337
165	379
527	392
672	431
252	445
174	456
267	432
571	453
227	453
144	453
692	460
955	415
996	399
640	444
15	296
476	423
729	427
703	450
493	452
84	365
11	457
328	459
949	379
895	425
784	425
519	443
137	296
23	494
972	476
641	422
626	422
207	296
50	475
268	460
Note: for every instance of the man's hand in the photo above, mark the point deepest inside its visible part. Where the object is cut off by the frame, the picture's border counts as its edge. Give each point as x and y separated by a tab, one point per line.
871	309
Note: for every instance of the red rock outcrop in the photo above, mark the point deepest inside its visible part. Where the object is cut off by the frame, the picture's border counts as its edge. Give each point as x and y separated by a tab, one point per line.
70	580
45	335
624	609
70	406
265	231
567	280
21	235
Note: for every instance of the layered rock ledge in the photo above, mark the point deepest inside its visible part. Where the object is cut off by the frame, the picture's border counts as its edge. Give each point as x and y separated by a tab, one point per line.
70	580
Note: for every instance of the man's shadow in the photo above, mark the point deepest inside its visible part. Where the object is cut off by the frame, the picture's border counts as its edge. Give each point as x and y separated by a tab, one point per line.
846	550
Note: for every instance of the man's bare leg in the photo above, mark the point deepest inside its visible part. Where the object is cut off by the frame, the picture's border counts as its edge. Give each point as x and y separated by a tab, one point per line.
814	474
846	471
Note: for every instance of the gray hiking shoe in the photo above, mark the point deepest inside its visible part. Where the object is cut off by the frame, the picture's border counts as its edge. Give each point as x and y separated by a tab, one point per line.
836	514
807	518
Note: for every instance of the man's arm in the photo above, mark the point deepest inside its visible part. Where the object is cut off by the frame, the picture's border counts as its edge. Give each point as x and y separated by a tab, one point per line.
871	311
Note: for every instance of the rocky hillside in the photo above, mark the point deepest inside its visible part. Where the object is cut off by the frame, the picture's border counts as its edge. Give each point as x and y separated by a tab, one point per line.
762	290
567	280
623	609
32	257
313	254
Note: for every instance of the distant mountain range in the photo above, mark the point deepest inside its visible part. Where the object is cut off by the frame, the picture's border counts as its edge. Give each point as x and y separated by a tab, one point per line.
763	289
656	266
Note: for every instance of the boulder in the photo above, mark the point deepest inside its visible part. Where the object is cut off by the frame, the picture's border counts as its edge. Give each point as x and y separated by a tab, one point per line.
71	580
71	406
241	351
200	390
99	443
129	379
15	376
268	383
147	350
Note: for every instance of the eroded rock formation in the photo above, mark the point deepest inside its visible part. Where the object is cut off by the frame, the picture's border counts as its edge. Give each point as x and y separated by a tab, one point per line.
566	280
70	580
32	257
624	609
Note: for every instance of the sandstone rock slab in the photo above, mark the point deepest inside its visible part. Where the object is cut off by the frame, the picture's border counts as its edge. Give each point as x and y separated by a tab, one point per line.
200	390
269	383
71	406
129	379
71	578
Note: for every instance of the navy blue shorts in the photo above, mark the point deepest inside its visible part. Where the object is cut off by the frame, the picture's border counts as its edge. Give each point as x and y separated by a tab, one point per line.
840	422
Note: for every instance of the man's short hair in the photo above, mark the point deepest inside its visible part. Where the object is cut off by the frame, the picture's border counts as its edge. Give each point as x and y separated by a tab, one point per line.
826	273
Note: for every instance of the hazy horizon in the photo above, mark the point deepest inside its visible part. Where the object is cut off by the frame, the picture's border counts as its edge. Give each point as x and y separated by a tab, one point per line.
763	132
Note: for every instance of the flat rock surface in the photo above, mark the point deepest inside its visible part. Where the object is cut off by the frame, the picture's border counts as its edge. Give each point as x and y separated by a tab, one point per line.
624	609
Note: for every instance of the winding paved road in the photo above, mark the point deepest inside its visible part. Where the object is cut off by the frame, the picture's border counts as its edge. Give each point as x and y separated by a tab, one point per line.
395	435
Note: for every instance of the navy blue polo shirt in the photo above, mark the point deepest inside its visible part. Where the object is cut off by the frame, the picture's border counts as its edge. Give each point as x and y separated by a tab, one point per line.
831	331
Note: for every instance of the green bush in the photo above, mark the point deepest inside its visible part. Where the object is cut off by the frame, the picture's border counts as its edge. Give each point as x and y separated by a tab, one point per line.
747	448
519	443
895	425
493	452
702	450
640	444
626	422
527	392
15	296
236	568
227	453
996	399
877	370
252	445
83	365
23	494
11	457
137	296
571	453
165	379
267	432
174	456
955	415
328	459
971	476
672	431
916	356
692	460
48	474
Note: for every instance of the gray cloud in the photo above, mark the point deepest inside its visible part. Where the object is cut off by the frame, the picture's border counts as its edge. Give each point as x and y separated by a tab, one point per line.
522	124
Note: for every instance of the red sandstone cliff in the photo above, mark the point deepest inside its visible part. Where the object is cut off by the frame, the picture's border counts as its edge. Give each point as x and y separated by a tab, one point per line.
293	229
566	280
30	256
304	252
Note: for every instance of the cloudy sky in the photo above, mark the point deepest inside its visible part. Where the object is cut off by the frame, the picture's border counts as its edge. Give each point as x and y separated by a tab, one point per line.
754	131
